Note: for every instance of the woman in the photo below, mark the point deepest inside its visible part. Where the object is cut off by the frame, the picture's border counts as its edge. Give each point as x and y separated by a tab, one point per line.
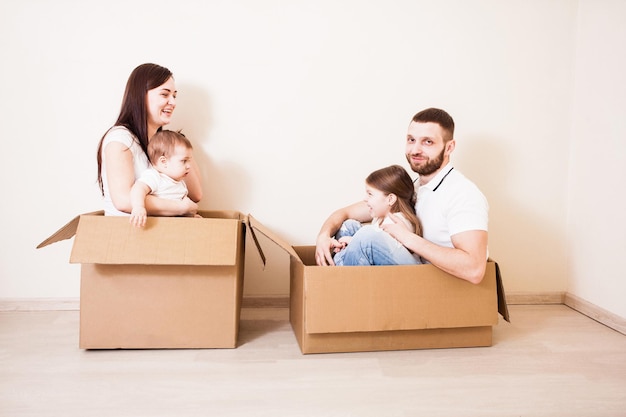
148	103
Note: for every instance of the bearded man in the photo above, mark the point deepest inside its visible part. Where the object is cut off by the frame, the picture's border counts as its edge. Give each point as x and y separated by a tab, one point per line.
452	210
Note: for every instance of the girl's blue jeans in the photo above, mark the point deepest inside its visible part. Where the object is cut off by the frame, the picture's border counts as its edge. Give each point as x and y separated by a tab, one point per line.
371	246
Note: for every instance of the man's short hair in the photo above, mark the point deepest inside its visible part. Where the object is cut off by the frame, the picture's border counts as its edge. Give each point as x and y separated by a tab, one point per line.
441	117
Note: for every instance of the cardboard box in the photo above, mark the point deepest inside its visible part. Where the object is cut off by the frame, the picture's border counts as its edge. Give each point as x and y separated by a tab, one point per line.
352	309
176	283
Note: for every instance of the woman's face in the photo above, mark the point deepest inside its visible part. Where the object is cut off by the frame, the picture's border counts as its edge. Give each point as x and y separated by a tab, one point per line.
161	102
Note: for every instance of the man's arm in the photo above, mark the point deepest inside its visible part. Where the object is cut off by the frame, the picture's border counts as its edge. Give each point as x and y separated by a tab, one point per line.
467	260
357	211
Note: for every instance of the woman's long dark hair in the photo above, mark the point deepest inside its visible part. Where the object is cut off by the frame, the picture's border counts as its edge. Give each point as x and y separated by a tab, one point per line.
134	114
395	180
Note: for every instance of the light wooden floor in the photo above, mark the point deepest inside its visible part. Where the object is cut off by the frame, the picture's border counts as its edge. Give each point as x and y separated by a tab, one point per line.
551	361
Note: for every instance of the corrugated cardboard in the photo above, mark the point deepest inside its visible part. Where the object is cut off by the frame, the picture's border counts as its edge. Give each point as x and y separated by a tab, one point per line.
350	309
176	283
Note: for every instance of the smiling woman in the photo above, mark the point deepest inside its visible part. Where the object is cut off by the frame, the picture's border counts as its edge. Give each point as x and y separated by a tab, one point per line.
148	104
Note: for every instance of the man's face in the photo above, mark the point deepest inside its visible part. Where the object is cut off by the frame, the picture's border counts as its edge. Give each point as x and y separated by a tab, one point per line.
426	151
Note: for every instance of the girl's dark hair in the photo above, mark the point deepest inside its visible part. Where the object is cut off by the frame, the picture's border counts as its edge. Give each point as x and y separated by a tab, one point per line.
395	180
134	114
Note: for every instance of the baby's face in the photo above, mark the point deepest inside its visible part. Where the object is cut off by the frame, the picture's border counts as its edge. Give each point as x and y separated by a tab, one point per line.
177	166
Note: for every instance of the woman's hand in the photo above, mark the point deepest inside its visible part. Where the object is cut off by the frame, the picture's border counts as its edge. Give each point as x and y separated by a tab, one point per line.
189	207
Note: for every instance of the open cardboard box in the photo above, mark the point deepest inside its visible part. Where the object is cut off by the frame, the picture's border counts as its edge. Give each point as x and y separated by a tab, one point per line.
352	308
176	283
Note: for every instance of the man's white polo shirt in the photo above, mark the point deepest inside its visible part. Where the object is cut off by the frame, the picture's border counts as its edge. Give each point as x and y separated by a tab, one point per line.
450	204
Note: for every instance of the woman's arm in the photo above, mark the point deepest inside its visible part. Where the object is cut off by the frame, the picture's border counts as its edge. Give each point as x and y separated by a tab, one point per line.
120	174
164	207
193	180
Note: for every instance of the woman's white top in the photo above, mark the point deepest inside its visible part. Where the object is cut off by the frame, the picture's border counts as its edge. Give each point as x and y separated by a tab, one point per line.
140	163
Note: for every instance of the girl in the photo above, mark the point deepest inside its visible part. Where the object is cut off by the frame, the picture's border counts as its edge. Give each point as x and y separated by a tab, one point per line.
148	104
388	190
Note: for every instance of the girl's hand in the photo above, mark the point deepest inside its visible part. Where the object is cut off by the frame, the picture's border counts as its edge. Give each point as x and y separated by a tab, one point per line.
338	245
345	240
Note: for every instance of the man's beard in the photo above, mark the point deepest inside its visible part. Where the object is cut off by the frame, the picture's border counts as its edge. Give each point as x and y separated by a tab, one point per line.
430	167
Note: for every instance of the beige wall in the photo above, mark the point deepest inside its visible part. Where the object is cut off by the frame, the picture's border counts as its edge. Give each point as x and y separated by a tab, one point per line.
596	203
290	104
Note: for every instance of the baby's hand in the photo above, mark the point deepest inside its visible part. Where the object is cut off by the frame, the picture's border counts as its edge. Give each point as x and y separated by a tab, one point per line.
138	217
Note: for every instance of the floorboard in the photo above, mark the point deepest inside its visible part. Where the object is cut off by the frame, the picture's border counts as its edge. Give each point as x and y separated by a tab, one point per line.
549	361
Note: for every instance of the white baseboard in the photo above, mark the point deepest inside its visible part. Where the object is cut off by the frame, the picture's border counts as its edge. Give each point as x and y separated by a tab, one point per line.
265	302
67	304
599	314
39	304
535	298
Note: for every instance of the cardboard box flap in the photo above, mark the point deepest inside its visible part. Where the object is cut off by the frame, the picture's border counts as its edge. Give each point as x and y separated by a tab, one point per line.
66	232
417	292
163	241
222	214
503	308
256	226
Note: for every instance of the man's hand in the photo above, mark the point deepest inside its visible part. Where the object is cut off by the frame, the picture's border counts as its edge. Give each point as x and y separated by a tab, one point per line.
465	260
323	246
325	243
397	229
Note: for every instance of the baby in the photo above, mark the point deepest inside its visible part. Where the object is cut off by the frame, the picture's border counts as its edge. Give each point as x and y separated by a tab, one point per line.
170	155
